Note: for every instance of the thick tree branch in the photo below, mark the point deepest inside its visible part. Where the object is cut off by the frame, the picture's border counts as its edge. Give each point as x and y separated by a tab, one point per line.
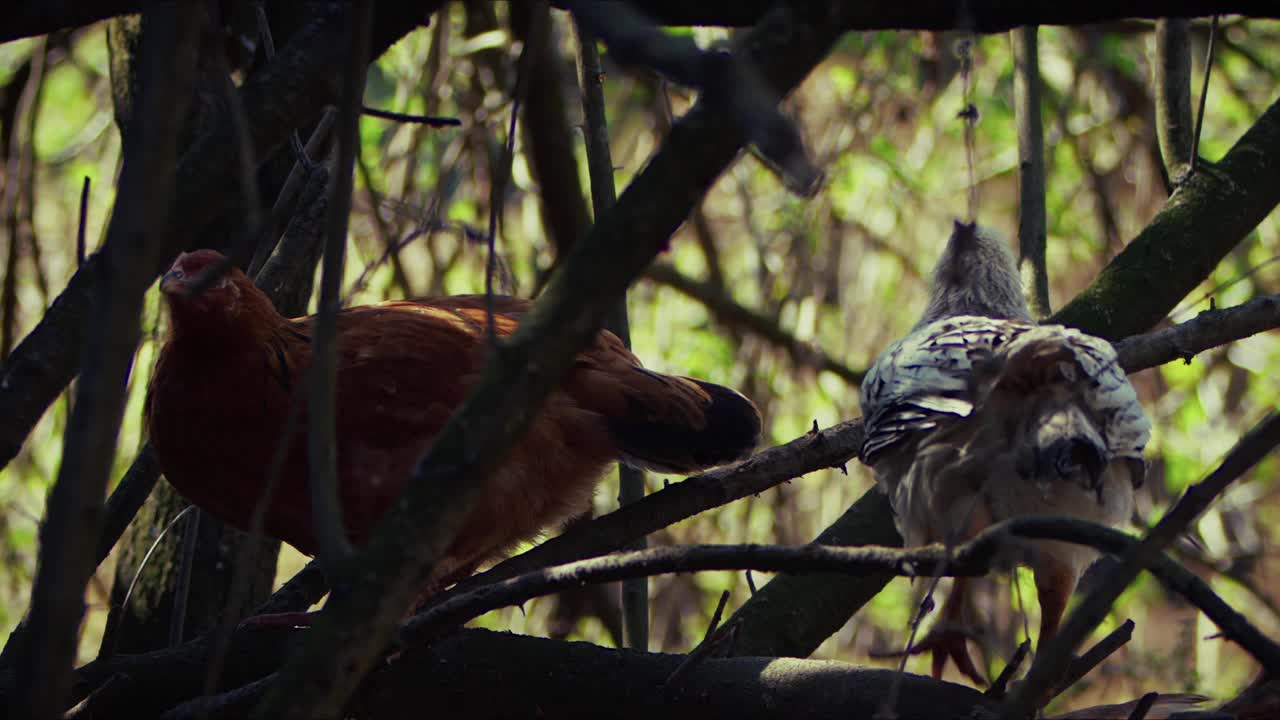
988	16
730	311
984	16
591	681
283	96
1204	219
386	574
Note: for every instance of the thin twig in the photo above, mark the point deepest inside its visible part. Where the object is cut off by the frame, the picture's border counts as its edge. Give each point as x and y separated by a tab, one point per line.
332	543
709	642
298	174
631	484
182	593
124	603
1001	684
428	120
498	194
84	220
1144	704
1204	93
969	114
1096	655
728	310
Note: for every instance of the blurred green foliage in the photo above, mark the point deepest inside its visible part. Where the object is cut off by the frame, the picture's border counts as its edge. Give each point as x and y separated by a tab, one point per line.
846	271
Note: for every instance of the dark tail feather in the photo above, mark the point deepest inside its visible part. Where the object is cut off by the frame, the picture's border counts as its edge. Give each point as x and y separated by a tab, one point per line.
728	430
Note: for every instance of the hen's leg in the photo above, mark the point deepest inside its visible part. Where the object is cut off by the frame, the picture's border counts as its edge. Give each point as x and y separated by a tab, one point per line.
1055	581
949	637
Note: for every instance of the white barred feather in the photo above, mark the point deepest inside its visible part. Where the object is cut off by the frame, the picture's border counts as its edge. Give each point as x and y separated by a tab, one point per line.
923	379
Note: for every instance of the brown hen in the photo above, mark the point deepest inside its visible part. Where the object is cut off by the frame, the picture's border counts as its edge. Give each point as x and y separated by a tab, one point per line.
223	387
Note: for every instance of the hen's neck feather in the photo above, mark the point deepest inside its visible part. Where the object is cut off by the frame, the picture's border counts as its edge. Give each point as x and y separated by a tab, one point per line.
237	316
976	275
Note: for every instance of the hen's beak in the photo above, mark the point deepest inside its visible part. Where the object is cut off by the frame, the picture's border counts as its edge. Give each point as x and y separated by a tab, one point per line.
173	283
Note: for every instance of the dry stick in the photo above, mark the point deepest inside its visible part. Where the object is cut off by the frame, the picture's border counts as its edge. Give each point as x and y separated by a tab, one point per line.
1204	94
84	220
429	120
1032	225
181	595
332	544
1103	649
1144	706
717	299
498	193
1052	660
631	485
75	507
298	174
1001	683
704	648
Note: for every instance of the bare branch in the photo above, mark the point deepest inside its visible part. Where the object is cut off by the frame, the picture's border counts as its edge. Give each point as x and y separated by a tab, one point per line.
1209	329
1096	655
1204	94
428	120
730	311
